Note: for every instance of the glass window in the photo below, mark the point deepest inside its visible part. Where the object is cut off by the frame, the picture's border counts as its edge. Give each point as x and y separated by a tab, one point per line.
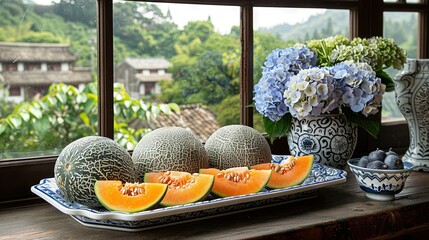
402	27
32	66
170	56
54	67
42	109
14	91
10	67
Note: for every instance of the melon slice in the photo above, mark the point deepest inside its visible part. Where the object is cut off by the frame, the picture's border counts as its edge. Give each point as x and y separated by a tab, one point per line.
183	187
237	181
128	197
290	172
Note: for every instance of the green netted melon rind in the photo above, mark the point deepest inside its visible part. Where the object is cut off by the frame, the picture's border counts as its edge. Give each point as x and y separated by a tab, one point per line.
86	160
237	146
169	149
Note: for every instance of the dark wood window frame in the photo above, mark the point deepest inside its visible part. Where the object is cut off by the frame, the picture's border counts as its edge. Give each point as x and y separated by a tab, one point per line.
366	20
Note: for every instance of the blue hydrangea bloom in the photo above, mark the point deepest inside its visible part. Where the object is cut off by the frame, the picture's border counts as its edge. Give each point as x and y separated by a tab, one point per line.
280	65
360	88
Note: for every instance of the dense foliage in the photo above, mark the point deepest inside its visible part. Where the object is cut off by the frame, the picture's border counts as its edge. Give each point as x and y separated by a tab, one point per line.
66	113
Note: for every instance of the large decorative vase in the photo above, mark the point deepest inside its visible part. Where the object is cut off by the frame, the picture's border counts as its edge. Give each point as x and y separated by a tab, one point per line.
330	138
412	97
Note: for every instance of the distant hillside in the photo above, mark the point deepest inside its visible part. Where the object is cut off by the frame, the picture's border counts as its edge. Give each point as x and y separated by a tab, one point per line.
334	22
321	25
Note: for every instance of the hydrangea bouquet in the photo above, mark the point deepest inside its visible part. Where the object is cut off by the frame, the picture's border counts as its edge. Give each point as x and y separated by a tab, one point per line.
295	83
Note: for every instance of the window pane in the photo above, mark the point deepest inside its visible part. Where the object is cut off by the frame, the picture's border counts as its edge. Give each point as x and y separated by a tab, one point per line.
168	54
48	93
402	27
283	27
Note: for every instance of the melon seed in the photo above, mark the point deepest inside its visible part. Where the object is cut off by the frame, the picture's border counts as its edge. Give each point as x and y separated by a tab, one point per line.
191	180
228	177
132	189
166	179
236	178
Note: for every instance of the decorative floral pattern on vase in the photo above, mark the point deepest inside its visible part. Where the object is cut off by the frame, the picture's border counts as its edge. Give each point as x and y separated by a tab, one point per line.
330	138
412	97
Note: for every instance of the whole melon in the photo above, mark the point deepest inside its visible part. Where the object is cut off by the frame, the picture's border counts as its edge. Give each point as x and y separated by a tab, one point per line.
237	146
169	149
86	160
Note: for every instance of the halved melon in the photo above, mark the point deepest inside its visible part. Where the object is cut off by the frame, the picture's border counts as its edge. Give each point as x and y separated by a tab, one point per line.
290	172
183	187
237	181
128	197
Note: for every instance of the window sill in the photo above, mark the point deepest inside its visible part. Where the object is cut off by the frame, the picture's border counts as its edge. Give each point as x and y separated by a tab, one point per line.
338	212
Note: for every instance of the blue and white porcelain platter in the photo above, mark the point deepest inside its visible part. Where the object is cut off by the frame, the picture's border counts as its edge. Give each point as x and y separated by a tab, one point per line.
321	176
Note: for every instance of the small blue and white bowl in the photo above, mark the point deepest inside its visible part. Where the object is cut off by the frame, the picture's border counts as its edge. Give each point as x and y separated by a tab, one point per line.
380	184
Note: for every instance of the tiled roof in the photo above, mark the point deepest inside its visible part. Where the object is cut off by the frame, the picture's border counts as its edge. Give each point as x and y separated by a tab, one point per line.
34	78
194	117
35	52
148	63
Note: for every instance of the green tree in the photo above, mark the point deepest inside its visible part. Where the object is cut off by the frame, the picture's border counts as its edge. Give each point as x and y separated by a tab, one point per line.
228	110
40	37
205	68
82	11
11	12
66	113
199	29
205	81
144	30
329	30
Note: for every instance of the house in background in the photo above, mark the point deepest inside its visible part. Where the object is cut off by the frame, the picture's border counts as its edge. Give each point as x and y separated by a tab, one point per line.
28	69
141	76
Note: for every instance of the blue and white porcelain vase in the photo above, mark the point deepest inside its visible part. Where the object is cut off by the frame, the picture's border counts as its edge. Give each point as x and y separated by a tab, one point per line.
412	97
330	138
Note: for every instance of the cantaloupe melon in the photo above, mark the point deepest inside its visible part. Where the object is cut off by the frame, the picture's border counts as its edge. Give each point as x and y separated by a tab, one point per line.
169	149
289	173
237	146
86	160
129	197
237	181
183	187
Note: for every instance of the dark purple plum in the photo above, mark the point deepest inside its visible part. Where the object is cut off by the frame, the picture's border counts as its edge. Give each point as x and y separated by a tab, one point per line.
363	161
393	162
390	152
377	155
376	165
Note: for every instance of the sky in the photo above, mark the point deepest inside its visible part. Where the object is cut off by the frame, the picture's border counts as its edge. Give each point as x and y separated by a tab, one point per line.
224	17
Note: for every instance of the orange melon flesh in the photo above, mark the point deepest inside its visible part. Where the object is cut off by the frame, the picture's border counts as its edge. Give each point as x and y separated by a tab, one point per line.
224	187
297	173
109	194
183	187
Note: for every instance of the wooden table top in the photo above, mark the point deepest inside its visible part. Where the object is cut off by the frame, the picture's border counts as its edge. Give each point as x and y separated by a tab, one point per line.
339	212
